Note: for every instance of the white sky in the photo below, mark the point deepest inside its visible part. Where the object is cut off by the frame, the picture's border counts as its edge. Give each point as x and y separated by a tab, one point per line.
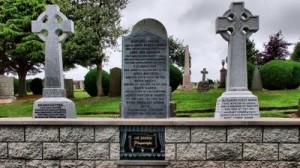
193	21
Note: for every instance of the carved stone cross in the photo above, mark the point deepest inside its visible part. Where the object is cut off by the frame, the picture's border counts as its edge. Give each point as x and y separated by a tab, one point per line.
204	72
53	27
235	26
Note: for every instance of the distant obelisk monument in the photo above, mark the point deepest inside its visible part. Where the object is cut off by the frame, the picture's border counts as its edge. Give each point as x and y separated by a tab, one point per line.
186	84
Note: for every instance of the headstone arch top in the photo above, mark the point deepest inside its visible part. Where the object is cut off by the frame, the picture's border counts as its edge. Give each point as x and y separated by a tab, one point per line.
151	24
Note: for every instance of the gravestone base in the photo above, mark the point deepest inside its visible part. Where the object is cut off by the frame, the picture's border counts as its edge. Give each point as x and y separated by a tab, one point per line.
58	107
203	87
7	100
237	105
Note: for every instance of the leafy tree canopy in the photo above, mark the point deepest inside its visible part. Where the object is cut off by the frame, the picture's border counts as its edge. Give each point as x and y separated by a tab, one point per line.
295	56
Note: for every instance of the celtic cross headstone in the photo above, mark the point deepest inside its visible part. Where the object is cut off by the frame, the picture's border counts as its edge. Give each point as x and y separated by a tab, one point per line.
235	26
204	72
53	27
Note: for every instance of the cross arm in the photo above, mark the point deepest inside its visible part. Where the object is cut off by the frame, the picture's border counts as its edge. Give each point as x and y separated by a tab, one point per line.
37	26
252	23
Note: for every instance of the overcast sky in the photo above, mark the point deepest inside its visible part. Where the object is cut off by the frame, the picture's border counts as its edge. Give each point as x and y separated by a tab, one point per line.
193	21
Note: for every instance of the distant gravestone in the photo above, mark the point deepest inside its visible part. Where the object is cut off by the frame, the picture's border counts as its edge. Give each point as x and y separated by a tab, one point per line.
187	76
236	25
69	88
115	82
223	72
256	81
6	89
145	90
203	86
53	27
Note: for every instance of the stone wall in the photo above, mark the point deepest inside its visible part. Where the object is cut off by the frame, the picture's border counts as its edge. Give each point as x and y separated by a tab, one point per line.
66	143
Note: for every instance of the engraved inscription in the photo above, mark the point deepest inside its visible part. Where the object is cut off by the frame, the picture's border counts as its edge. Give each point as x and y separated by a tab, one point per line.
53	110
145	76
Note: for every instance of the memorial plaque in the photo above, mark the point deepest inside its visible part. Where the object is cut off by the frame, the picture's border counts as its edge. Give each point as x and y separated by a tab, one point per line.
237	108
142	142
145	75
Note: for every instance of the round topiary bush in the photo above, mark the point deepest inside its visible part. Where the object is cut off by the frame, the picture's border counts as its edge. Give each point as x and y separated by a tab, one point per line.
90	82
280	74
36	86
175	77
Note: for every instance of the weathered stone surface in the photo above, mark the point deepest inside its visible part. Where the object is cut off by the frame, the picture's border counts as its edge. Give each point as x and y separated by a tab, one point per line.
106	164
244	134
25	150
107	134
191	151
289	152
77	164
3	150
77	134
69	87
98	151
279	164
11	133
60	151
42	164
242	164
114	151
41	134
170	151
115	82
186	82
223	151
177	134
178	164
206	164
259	151
12	163
6	89
208	134
281	134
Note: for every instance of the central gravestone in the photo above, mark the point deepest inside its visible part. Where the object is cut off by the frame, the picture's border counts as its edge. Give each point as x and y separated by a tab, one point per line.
53	27
235	26
145	90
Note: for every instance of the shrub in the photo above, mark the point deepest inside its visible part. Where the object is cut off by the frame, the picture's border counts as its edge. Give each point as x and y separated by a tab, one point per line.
280	74
250	72
175	77
90	82
36	86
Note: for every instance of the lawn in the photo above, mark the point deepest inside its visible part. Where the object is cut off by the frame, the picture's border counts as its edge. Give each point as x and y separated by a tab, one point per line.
193	104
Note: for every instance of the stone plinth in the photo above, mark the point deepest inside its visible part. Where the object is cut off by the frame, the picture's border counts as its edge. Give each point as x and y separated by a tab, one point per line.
223	72
237	105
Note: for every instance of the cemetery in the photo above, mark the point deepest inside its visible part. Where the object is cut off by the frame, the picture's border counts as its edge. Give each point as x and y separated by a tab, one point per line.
148	113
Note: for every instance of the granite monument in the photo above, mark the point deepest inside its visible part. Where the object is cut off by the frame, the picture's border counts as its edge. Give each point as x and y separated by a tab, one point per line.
186	83
203	86
6	89
115	82
235	26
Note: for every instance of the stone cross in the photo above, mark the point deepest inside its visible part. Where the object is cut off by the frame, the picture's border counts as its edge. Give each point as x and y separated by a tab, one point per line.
235	26
204	72
53	27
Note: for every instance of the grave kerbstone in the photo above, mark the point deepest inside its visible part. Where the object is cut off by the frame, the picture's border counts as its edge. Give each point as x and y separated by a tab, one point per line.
53	27
115	82
6	89
186	83
235	26
256	81
203	86
145	90
223	73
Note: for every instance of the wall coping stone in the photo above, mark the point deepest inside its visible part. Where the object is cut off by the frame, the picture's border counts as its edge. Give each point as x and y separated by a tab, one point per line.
142	163
154	121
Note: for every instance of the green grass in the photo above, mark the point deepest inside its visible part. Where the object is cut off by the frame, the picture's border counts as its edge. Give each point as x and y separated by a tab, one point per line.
192	104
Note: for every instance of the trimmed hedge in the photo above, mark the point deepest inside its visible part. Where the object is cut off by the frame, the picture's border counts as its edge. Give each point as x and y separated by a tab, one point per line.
90	82
175	77
281	74
36	86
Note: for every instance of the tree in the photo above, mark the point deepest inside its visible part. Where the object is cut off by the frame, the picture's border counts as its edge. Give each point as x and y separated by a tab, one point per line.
251	51
276	48
177	52
20	50
295	56
97	26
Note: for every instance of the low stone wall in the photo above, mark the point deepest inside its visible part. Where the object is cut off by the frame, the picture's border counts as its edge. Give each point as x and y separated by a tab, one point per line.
66	143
